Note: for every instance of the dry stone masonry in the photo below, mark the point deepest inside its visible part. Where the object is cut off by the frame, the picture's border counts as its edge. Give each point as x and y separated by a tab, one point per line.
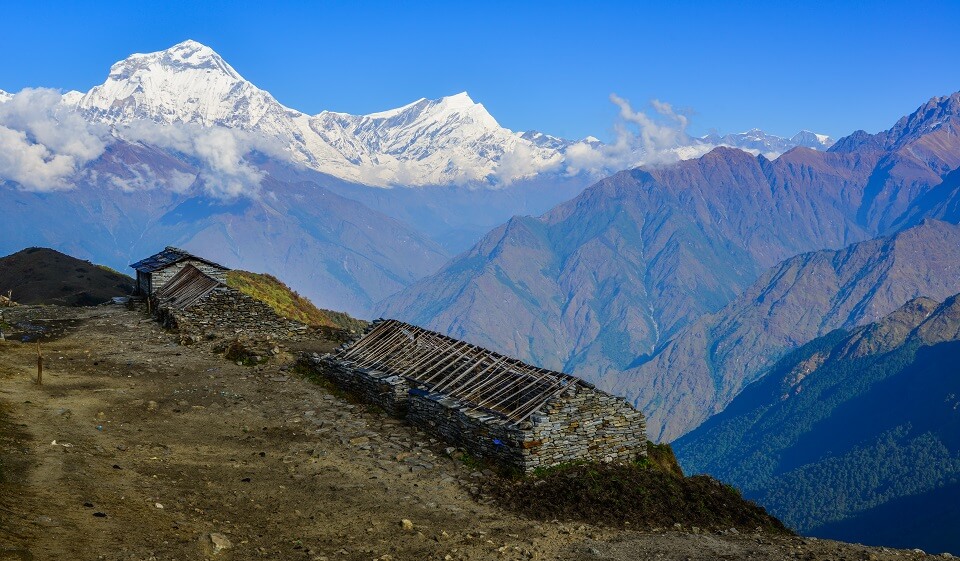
228	311
195	302
492	406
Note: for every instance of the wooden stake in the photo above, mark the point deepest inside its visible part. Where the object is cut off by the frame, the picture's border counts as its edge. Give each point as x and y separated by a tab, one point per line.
39	364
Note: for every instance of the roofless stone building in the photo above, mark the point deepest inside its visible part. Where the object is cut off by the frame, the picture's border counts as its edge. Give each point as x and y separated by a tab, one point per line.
195	301
491	405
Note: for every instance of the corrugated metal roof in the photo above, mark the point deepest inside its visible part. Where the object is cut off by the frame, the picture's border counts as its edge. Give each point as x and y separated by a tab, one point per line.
483	380
167	257
185	288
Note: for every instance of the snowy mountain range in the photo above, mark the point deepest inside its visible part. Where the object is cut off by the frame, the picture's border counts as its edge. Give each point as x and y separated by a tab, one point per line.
769	144
448	141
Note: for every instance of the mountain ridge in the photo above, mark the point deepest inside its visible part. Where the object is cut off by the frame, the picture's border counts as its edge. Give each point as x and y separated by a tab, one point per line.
870	414
619	272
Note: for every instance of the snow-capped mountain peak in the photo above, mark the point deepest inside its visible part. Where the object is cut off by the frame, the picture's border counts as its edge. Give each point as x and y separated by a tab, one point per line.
759	141
810	139
187	83
450	140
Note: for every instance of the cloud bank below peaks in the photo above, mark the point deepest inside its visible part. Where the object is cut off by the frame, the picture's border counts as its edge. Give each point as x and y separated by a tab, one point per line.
641	138
219	153
43	142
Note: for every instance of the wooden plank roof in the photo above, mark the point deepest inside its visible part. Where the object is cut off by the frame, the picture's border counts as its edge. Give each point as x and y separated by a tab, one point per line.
186	287
479	378
167	257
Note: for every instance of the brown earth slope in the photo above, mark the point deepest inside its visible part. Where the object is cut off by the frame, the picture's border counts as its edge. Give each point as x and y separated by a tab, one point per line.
39	275
138	448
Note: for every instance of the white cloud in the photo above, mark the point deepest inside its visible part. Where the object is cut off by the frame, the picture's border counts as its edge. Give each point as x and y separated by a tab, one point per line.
640	139
43	142
141	177
220	153
523	161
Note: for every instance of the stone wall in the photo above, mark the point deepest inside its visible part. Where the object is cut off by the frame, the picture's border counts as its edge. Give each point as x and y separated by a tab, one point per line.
229	312
582	424
386	391
162	276
585	424
482	435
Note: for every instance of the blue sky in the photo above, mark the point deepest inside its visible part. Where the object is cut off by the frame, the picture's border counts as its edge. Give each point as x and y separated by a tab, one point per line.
831	67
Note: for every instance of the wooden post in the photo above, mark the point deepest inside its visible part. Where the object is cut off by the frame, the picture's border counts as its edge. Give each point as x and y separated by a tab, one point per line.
148	306
39	364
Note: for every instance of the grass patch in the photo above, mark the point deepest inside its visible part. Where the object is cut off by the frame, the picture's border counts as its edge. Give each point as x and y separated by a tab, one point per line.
649	493
287	303
111	270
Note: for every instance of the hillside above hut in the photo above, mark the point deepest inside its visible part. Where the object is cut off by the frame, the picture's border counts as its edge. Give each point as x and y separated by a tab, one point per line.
38	275
288	303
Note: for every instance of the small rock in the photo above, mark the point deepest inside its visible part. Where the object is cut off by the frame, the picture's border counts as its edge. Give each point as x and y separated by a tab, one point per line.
407	525
152	406
220	542
158	505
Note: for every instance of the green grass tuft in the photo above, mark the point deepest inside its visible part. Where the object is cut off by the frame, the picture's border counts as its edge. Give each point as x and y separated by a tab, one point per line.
287	303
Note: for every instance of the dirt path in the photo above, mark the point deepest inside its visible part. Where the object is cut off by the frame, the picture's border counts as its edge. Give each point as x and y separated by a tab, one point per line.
138	448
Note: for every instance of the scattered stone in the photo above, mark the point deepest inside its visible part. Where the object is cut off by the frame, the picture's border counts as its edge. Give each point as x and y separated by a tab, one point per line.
407	525
152	406
220	542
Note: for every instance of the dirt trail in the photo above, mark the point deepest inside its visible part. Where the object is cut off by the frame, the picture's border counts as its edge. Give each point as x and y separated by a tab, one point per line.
138	448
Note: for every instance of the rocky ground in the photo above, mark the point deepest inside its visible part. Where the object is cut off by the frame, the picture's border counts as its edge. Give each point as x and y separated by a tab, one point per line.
138	448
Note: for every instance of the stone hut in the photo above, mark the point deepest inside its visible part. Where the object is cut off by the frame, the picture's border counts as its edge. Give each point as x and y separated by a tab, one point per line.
157	270
491	405
195	301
